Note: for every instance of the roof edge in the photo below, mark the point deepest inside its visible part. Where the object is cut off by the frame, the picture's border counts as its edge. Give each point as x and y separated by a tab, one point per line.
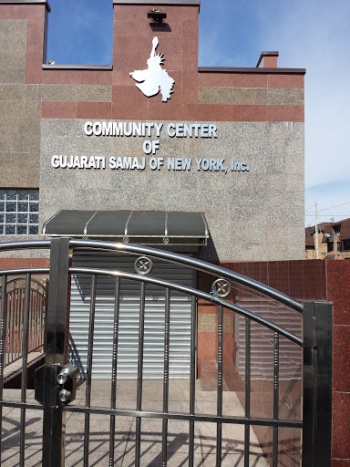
28	2
62	66
254	70
158	2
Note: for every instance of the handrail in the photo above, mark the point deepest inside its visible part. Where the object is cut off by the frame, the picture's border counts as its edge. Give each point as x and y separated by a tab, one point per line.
167	256
193	292
25	307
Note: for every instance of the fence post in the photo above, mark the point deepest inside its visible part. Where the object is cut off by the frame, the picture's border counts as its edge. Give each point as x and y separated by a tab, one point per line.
317	400
55	347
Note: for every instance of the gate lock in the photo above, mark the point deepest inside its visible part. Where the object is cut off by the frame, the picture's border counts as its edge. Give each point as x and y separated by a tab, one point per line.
67	381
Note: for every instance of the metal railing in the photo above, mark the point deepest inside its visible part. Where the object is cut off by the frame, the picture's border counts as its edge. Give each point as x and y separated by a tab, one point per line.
23	295
314	347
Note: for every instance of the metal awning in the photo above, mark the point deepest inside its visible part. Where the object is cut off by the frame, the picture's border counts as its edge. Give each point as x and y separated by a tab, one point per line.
151	227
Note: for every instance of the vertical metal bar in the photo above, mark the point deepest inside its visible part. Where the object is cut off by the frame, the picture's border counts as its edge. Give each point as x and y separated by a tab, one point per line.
140	374
14	308
220	387
19	312
309	382
24	366
8	342
11	325
275	399
166	378
32	313
114	369
9	331
317	404
247	391
192	379
19	334
3	325
56	336
89	367
46	301
324	346
37	319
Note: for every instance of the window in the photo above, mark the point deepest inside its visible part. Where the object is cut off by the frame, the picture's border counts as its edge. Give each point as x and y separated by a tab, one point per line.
346	245
19	212
80	32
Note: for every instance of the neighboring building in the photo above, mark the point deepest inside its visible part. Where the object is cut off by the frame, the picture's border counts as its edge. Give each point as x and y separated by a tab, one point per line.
333	240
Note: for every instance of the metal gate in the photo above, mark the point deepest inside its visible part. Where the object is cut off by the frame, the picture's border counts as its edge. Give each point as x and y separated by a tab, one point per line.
278	412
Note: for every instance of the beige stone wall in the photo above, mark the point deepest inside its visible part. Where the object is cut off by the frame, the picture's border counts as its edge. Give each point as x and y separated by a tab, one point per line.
251	215
20	110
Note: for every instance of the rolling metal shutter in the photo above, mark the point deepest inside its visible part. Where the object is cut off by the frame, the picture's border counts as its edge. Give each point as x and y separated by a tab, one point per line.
180	321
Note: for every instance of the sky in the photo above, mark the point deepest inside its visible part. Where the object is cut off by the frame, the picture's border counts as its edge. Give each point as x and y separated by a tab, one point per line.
310	34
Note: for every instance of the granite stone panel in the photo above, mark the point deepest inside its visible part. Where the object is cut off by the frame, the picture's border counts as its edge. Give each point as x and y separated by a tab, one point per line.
23	135
94	110
20	104
341	424
86	77
286	80
285	113
251	80
232	80
232	96
250	96
20	93
20	134
207	322
340	462
12	50
76	93
6	263
59	109
341	362
236	113
19	110
26	173
338	292
338	273
285	96
13	35
252	215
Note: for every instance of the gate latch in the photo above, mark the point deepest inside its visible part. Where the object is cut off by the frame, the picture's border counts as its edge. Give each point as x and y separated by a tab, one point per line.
67	381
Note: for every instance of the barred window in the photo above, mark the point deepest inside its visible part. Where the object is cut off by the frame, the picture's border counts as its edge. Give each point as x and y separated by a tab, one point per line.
19	212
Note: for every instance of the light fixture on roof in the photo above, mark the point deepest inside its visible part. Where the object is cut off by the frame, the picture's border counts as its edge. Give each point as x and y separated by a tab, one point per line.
156	15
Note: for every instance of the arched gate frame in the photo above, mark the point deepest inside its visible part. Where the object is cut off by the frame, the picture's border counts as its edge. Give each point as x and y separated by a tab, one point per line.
54	388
